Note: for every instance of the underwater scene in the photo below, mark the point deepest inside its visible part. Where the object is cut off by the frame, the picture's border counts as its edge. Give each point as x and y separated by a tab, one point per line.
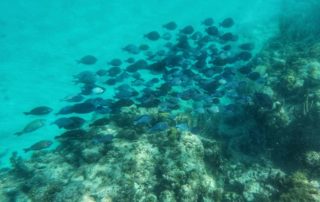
160	101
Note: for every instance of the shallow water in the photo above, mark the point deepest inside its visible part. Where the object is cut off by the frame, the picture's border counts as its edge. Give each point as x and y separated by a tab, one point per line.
242	127
41	41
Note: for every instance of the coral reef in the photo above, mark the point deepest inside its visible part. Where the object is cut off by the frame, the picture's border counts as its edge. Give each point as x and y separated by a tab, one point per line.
261	144
170	165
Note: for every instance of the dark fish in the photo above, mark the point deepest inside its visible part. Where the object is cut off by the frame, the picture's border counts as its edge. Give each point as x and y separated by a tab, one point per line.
102	139
126	93
227	73
150	55
208	21
187	30
153	36
114	71
263	100
88	60
208	72
111	81
100	122
226	23
183	43
230	108
170	25
131	48
152	82
140	64
201	60
196	36
136	75
42	110
203	41
139	82
143	120
158	67
144	47
130	60
74	98
169	105
244	55
173	60
86	77
32	126
150	103
215	100
66	110
247	46
254	76
115	62
121	103
44	144
210	87
226	47
123	87
158	127
245	69
122	76
86	89
103	110
98	101
70	122
83	108
168	45
164	88
161	52
212	30
188	94
229	37
220	61
101	72
72	135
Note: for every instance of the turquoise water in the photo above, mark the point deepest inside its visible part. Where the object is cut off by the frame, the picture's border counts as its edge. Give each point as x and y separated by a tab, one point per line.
219	123
41	42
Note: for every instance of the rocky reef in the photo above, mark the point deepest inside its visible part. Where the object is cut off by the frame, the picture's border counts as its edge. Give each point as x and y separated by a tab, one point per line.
262	146
164	166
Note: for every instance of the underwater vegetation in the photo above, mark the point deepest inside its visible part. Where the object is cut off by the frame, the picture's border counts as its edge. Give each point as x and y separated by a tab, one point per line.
196	115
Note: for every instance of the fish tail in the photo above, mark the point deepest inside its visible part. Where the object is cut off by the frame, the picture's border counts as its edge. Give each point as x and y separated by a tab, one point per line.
26	113
18	133
26	150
